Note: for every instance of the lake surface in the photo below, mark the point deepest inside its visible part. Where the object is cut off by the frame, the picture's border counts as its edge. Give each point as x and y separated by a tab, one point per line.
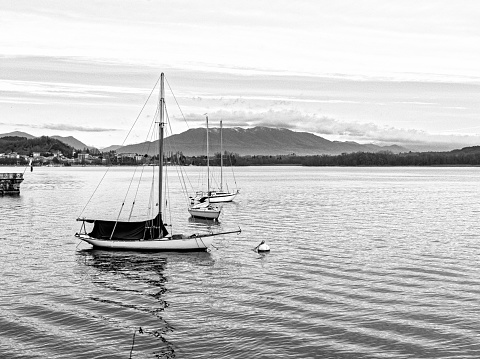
364	263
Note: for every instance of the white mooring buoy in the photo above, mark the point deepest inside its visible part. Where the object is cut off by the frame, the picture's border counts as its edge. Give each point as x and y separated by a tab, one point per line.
263	247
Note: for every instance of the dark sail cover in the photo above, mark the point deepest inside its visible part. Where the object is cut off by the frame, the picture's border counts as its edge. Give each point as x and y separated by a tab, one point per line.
149	229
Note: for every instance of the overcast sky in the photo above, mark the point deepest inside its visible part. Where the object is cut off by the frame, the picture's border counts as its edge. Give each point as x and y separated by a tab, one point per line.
384	72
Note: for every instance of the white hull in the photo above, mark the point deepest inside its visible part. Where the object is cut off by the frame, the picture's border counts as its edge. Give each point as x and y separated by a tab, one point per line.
193	243
204	213
222	197
216	197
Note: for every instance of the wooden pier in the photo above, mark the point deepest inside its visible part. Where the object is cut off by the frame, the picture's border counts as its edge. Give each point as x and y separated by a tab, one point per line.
10	183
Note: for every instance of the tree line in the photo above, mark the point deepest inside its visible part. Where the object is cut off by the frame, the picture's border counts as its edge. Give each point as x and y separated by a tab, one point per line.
43	145
469	156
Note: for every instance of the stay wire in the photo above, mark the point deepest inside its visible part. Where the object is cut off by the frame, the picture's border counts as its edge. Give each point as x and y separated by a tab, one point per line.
181	174
184	119
28	165
233	173
145	104
178	105
128	191
147	147
128	134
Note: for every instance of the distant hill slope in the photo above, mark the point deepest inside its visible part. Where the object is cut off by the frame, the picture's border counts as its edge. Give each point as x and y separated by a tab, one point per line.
473	149
17	134
110	148
24	146
255	141
72	141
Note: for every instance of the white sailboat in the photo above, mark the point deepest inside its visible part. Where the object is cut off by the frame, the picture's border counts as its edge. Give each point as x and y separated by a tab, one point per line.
150	234
219	195
202	207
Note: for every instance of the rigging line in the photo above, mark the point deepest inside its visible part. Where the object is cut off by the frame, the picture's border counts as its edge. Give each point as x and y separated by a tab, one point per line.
145	104
167	183
115	226
125	199
180	173
147	144
233	173
171	131
143	169
151	200
128	189
152	137
152	196
28	165
93	194
202	175
178	105
167	197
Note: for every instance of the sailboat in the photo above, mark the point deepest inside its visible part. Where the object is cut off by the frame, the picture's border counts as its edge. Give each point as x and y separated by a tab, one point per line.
150	234
215	196
202	207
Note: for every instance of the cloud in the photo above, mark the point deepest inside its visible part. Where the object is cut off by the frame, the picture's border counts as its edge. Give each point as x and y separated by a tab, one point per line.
62	127
65	127
56	89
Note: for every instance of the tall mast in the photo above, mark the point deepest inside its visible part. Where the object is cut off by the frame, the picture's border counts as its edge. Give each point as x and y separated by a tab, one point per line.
221	156
160	146
208	165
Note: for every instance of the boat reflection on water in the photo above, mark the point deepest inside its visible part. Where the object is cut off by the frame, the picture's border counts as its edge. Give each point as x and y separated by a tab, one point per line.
133	269
130	287
127	279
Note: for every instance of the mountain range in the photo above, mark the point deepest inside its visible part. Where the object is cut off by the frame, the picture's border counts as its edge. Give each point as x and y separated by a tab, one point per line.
255	141
251	141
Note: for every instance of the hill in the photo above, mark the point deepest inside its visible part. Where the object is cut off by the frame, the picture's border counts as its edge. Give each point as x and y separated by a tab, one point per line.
110	148
73	142
70	140
468	150
17	134
255	141
25	146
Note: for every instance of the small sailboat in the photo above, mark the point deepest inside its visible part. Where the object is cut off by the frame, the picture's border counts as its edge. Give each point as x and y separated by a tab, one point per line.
219	195
202	207
150	234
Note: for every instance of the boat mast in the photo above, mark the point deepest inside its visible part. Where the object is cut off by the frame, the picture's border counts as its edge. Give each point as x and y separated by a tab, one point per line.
160	147
221	156
208	165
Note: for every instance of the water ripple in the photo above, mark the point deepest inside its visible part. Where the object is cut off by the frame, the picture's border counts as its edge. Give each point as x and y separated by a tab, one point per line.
365	263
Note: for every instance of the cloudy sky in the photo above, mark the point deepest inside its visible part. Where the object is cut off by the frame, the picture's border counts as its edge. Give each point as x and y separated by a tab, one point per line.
404	72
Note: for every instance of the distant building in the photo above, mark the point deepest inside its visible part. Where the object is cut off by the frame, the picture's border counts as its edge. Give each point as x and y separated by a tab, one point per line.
129	158
126	155
13	155
83	158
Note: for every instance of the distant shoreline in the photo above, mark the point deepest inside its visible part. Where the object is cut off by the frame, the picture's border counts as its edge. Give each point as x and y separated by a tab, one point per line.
255	165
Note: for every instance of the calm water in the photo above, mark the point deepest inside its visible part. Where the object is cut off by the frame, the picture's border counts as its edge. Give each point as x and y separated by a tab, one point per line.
365	263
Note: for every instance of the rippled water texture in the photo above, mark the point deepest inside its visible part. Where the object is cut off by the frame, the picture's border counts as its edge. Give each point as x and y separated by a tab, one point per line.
365	263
